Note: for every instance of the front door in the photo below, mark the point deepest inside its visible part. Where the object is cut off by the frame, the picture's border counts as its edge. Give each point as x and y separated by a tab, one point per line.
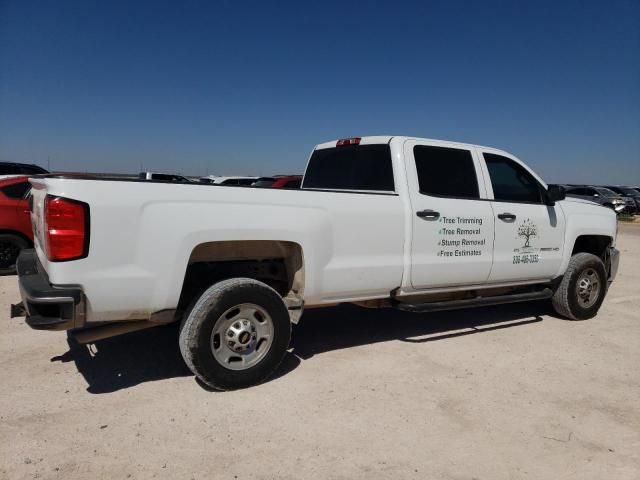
529	235
452	221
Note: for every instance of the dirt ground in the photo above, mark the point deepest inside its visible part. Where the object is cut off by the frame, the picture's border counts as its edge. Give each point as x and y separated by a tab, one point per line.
502	392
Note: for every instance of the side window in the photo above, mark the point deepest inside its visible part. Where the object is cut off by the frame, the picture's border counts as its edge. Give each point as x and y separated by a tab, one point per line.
17	190
446	172
511	182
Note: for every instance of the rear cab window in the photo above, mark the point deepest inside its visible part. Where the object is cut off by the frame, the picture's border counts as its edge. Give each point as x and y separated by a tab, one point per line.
355	168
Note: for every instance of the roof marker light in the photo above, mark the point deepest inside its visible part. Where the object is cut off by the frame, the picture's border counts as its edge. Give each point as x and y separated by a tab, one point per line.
343	142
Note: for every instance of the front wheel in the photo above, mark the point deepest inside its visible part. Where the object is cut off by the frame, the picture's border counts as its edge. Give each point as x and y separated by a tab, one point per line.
582	289
236	334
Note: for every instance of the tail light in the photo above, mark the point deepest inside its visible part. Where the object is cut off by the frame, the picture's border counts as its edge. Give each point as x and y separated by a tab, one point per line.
66	229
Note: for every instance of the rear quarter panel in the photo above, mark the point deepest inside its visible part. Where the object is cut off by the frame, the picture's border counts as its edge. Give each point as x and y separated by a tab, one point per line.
142	235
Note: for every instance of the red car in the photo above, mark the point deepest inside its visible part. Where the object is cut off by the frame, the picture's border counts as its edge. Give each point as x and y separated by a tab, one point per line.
15	222
279	181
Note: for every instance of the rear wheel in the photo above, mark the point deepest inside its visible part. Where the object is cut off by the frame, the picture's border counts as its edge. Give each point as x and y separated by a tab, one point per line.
10	247
236	334
582	289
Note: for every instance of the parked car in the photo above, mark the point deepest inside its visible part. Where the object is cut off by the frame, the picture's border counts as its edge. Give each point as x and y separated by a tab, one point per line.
233	181
601	195
163	177
279	181
15	222
415	224
630	195
11	169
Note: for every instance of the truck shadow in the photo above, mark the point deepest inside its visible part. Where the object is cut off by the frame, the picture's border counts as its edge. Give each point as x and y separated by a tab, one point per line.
128	360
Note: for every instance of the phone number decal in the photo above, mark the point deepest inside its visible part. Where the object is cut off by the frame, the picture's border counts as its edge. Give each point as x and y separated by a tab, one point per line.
525	258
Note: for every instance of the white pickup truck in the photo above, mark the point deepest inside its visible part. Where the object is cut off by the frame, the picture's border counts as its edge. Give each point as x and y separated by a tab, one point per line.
382	221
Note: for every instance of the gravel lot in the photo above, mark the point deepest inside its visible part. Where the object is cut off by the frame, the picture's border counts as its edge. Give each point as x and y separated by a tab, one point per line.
501	392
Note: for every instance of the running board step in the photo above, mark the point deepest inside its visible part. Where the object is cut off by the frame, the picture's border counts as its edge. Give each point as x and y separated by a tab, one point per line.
474	302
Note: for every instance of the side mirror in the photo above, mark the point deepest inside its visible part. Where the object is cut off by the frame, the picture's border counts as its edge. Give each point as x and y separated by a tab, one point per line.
596	195
554	194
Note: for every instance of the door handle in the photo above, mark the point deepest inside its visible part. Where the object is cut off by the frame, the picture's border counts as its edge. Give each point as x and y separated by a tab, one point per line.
428	214
507	217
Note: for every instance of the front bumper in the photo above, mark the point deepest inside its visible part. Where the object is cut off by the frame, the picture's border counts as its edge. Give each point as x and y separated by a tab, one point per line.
614	262
47	307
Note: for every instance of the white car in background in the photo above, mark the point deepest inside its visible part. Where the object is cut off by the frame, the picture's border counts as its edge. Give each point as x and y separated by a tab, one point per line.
163	177
237	181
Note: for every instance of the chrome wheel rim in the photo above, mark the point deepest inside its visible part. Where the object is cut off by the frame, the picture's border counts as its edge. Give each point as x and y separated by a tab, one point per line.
588	288
242	336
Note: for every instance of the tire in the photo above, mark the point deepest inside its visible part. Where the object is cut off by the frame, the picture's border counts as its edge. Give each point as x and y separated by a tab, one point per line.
10	247
573	298
236	334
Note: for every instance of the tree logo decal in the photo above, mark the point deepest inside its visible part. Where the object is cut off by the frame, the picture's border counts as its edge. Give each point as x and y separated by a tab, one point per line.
527	230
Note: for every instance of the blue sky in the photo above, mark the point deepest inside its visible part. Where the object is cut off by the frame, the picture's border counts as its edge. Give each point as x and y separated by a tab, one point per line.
249	87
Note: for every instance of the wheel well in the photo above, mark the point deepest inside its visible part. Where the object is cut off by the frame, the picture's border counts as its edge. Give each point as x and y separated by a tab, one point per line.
17	234
594	244
279	264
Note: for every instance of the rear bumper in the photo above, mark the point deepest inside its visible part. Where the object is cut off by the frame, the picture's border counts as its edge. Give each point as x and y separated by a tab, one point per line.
47	307
614	262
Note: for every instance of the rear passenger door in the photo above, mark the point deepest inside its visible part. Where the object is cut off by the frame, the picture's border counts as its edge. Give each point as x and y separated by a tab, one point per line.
529	235
452	221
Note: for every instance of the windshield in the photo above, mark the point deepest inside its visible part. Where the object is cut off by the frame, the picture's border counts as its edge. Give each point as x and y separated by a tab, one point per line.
629	191
606	192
